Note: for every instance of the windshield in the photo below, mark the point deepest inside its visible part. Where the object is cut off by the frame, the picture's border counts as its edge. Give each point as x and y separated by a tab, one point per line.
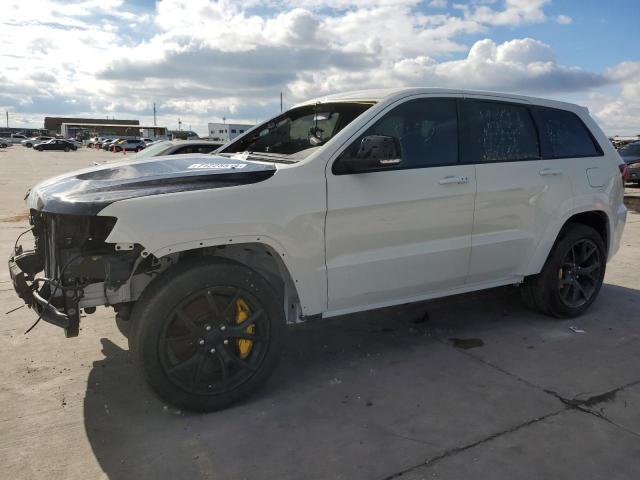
154	150
629	150
299	129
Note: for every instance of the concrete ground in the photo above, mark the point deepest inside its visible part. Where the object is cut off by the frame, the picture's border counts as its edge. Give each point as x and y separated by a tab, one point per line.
378	395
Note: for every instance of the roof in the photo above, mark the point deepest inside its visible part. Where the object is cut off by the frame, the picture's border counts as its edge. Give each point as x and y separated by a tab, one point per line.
379	95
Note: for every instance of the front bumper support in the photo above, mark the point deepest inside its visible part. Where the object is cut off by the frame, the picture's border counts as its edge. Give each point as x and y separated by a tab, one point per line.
27	289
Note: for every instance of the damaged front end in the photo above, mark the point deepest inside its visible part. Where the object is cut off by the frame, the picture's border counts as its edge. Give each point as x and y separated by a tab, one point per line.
70	267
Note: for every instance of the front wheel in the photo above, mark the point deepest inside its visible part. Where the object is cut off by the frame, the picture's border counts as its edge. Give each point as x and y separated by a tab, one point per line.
66	149
572	276
207	334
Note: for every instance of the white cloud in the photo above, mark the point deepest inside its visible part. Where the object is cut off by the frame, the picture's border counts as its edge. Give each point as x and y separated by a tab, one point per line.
203	59
619	113
564	19
515	12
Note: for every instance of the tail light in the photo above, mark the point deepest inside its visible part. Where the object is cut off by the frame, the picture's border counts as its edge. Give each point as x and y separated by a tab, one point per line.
624	171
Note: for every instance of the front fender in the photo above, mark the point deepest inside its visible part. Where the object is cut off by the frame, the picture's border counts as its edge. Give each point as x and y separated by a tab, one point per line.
285	214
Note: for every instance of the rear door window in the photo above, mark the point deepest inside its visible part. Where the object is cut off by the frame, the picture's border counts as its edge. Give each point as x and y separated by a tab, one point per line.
563	135
499	132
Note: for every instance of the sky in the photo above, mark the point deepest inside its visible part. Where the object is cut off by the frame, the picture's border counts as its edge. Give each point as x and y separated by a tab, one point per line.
203	60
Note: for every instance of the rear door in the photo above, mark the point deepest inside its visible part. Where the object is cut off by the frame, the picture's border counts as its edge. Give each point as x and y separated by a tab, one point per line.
403	232
519	192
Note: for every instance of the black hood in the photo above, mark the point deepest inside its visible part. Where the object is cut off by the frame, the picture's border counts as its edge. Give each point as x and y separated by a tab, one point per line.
86	192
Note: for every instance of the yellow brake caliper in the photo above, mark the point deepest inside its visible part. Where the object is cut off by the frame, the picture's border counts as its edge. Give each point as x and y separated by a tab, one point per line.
242	313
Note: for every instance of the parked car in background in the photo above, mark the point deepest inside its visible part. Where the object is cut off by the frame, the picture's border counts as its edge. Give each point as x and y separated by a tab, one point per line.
77	143
93	141
106	145
30	142
55	144
178	147
5	142
100	142
129	146
630	154
17	138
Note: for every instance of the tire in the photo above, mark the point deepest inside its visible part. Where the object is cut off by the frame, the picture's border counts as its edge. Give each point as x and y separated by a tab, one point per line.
123	326
138	149
28	145
66	149
568	283
187	333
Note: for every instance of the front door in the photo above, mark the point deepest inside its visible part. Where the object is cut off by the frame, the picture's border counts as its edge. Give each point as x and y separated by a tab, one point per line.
401	233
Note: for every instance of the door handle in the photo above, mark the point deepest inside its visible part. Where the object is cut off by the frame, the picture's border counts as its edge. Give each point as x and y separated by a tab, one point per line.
450	180
550	171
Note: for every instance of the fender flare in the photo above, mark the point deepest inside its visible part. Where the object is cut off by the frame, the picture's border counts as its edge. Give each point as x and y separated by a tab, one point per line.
551	234
269	242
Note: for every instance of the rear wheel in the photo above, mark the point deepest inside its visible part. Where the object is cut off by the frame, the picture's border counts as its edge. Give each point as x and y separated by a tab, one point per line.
207	334
66	149
572	276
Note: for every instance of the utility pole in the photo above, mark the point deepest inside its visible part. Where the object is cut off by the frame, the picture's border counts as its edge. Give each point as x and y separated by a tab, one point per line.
7	112
179	124
154	114
280	101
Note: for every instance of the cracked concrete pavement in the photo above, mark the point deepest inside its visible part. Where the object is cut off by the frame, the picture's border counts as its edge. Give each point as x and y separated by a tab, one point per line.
377	395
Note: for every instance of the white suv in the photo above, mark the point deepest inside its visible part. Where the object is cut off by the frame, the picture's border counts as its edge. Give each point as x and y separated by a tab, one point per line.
341	204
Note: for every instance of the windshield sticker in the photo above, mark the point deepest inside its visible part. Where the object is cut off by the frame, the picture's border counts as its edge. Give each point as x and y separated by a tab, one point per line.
216	166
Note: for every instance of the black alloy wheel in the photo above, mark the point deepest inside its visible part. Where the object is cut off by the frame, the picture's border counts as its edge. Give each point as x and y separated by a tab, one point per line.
572	275
580	273
207	333
214	340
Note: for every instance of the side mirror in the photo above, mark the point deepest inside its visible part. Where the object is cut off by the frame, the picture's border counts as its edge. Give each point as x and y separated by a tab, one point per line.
375	152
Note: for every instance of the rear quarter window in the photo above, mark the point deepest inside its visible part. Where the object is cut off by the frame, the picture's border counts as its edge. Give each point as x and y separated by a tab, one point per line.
563	135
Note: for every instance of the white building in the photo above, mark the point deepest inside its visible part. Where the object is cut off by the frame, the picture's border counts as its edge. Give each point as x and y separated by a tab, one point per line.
224	132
